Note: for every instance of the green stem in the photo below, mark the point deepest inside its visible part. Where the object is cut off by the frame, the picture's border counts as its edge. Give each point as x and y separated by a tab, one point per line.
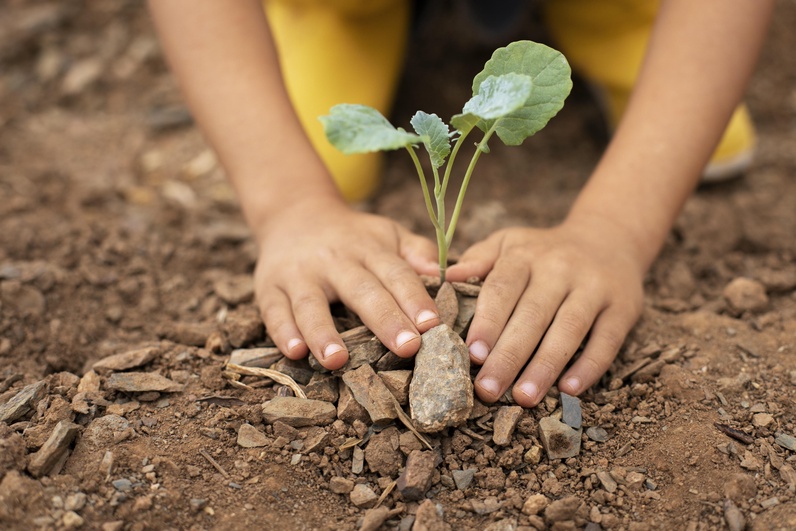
449	167
463	189
426	195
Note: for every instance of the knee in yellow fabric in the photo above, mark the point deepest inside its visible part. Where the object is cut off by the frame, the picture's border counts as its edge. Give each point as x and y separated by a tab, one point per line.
341	51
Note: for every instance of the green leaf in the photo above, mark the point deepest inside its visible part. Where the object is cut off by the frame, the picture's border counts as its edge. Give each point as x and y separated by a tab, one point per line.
498	96
551	82
435	134
464	123
362	129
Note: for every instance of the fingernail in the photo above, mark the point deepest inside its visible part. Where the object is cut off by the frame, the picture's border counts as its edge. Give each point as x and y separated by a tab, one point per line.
332	349
479	351
426	316
293	343
490	386
574	383
405	337
530	390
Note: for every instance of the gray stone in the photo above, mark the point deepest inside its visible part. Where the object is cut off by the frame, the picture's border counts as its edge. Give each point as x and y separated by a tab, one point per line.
596	433
398	384
506	420
54	450
369	390
357	460
126	360
392	362
447	304
23	402
463	478
465	315
417	475
786	441
255	357
299	412
251	437
571	414
299	370
559	440
348	409
441	392
364	348
122	485
141	382
607	481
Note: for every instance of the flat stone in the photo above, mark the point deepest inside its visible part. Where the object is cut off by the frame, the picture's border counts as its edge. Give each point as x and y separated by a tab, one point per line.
299	412
535	504
251	437
299	370
255	357
357	460
463	478
596	433
430	517
141	382
234	290
447	304
348	409
188	333
417	475
364	348
398	384
571	414
23	402
393	362
316	440
761	420
465	315
363	496
559	440
54	450
369	390
126	360
786	441
441	391
382	452
467	289
89	383
243	326
607	481
322	387
745	294
506	420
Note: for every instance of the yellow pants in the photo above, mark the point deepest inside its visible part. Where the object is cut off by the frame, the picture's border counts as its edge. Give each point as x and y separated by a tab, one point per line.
352	51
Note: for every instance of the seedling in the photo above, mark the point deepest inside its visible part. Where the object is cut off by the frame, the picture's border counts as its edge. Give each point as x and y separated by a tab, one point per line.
521	87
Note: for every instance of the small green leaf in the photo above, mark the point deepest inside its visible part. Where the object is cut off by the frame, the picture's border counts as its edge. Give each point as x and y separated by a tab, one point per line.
435	135
551	77
498	96
464	123
362	129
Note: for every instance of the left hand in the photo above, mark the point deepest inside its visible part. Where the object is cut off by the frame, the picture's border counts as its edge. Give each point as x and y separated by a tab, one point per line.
544	291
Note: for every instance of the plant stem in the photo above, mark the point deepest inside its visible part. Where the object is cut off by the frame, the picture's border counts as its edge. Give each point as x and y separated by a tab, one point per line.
426	195
463	189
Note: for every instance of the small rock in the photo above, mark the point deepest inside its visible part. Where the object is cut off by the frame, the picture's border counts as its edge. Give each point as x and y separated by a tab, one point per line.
505	524
81	75
243	326
363	496
316	440
733	516
140	382
563	509
255	357
463	478
746	294
607	481
447	304
740	488
750	462
299	412
72	520
357	460
416	477
323	387
126	360
559	440
23	402
392	362
506	420
348	409
761	420
409	442
371	392
596	433
441	392
251	437
364	348
382	453
429	517
234	290
535	504
188	333
466	313
89	383
122	485
340	485
398	384
570	411
533	455
374	518
54	451
299	370
786	441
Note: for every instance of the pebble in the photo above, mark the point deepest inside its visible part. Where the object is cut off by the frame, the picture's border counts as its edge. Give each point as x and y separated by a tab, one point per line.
505	423
382	453
429	517
72	520
447	304
75	502
23	402
234	290
50	455
745	294
357	460
535	504
417	475
563	509
607	481
363	496
316	440
441	392
533	455
371	392
82	74
251	437
398	384
733	516
340	485
559	440
139	382
786	441
463	478
122	485
571	414
255	357
596	433
126	360
761	420
299	412
374	518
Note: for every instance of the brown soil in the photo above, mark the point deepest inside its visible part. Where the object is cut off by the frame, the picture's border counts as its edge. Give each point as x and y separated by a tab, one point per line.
117	230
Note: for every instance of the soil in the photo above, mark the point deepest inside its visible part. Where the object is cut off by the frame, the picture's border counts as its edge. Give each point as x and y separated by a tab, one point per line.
118	232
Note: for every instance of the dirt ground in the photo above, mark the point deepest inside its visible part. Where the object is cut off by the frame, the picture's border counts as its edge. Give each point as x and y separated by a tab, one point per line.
119	232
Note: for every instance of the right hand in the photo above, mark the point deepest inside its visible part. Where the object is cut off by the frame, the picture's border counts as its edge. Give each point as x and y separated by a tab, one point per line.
319	251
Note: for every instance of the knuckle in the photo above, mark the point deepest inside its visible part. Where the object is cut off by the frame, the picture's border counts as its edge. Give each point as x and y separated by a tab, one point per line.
548	366
573	324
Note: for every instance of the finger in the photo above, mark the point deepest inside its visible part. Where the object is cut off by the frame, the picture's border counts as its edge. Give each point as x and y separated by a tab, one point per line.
477	261
310	307
607	336
420	253
363	292
565	335
521	335
280	324
406	289
495	304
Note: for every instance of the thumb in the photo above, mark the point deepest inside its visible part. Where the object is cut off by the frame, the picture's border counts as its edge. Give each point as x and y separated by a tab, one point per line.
476	261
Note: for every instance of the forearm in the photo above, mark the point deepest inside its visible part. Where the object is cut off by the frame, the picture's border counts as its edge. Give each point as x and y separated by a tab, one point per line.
700	57
226	64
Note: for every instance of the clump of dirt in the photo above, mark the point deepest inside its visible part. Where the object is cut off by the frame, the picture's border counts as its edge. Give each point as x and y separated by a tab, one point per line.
120	236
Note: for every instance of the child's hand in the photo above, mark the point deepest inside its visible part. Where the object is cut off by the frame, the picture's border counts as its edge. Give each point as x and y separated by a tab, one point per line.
318	251
544	291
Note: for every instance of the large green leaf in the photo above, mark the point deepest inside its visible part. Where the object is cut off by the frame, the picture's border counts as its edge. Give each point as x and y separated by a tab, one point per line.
498	96
551	77
435	134
361	129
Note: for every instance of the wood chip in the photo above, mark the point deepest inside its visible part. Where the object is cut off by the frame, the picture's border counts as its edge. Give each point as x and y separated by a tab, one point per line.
276	376
738	435
215	464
